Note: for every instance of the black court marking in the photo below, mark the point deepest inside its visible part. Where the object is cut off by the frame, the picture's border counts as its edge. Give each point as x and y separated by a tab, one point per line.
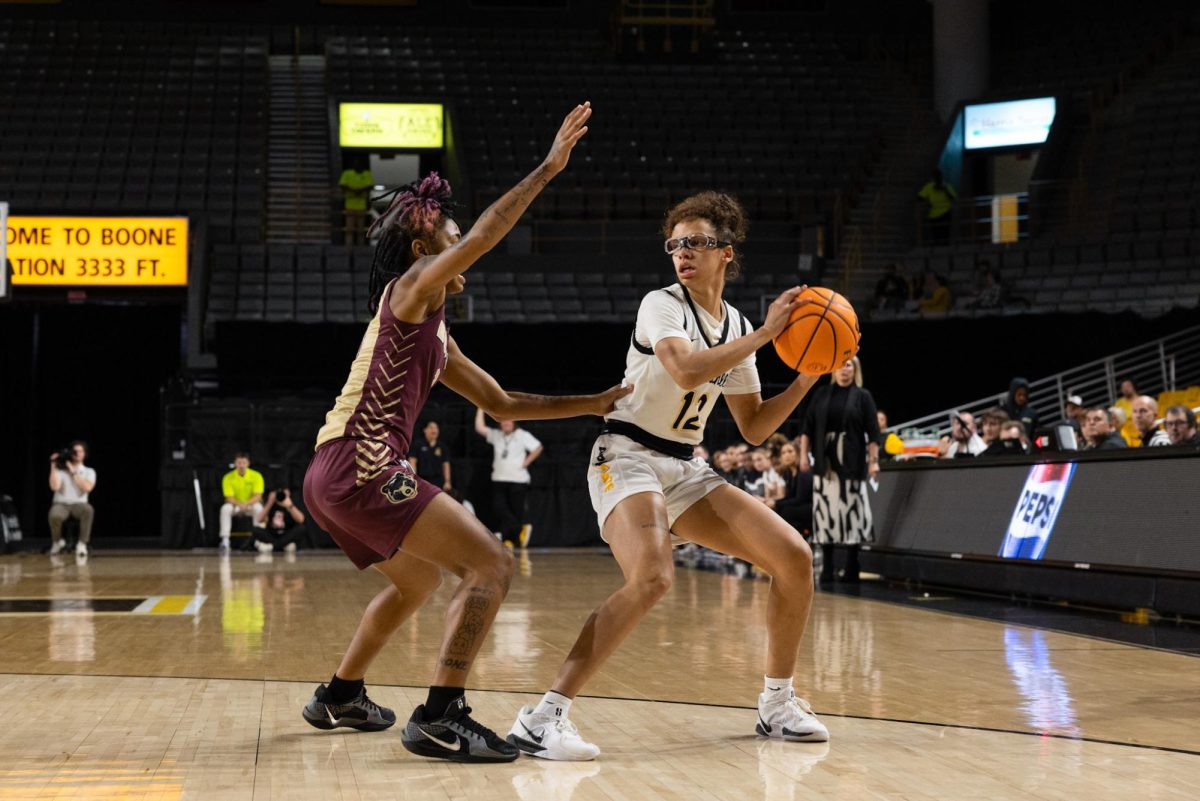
522	691
41	606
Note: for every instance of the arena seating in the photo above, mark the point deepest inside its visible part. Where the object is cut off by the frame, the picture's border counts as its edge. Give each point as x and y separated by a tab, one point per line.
782	119
134	117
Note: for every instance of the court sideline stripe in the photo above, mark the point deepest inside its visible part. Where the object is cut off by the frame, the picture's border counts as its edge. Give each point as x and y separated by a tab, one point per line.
422	687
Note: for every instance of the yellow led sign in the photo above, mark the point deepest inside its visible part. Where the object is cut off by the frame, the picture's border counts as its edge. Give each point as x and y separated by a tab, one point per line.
98	251
391	125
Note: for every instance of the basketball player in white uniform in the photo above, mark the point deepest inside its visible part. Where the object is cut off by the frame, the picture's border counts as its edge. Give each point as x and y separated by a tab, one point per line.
689	348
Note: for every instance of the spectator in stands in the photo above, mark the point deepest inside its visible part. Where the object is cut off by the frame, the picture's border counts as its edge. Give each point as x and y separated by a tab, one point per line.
761	480
1013	437
1010	440
700	452
936	297
430	458
990	292
990	424
513	450
1145	417
795	498
842	433
1017	407
279	524
1075	413
1101	431
71	481
963	442
1181	427
356	182
891	291
890	445
939	196
1127	392
243	491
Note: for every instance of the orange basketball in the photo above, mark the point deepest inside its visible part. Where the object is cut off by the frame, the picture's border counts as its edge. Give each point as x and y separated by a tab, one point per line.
820	336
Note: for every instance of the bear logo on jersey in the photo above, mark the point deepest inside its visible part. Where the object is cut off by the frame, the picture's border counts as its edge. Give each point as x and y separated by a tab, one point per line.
400	487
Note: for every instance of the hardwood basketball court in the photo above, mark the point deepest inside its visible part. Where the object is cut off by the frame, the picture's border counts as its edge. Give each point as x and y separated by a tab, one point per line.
177	675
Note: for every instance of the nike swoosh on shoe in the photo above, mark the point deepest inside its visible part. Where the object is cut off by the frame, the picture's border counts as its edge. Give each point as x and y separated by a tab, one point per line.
456	746
766	728
536	739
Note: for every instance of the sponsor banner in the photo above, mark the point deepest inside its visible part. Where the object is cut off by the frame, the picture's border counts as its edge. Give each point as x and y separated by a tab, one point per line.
1037	511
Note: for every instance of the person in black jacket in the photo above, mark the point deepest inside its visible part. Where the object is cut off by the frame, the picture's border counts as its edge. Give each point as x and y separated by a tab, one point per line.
841	431
796	501
1017	407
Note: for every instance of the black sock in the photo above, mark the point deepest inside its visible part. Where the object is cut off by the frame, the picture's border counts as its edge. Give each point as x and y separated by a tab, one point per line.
342	691
439	699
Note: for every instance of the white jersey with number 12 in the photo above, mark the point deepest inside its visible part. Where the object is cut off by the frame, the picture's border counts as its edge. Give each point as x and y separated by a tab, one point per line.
659	405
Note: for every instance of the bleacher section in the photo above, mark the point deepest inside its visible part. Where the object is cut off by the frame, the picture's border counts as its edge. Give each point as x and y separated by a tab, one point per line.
134	117
782	119
316	284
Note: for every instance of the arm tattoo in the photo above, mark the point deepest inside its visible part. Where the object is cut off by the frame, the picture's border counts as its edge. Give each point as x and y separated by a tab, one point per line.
510	207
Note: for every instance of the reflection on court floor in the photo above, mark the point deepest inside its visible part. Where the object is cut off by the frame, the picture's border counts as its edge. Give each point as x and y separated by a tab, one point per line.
203	701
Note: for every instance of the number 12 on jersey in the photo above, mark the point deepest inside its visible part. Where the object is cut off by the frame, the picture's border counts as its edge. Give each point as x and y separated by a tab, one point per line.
691	423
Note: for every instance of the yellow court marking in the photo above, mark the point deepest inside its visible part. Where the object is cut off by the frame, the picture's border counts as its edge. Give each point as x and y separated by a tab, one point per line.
170	605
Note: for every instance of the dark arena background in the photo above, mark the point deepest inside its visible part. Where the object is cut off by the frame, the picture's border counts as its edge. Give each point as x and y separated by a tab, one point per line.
1003	190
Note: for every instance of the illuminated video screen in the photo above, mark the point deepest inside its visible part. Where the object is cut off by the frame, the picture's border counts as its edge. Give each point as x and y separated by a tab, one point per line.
1008	124
391	125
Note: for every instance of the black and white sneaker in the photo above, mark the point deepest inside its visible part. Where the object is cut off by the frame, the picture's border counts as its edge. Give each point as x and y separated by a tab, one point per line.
789	718
455	736
362	713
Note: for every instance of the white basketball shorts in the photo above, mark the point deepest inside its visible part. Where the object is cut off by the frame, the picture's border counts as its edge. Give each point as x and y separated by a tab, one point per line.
621	467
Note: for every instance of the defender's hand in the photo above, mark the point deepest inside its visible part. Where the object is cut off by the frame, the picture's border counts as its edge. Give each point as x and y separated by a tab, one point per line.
571	131
606	401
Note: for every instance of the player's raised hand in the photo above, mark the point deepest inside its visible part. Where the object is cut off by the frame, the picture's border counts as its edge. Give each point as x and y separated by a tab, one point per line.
573	128
781	310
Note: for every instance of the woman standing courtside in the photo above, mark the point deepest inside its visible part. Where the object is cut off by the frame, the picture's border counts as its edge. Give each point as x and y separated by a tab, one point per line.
841	432
688	348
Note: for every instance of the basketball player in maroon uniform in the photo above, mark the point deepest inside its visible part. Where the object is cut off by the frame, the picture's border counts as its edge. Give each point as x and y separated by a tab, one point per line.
360	488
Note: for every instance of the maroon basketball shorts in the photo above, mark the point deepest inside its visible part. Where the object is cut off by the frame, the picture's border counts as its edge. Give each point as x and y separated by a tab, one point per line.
369	521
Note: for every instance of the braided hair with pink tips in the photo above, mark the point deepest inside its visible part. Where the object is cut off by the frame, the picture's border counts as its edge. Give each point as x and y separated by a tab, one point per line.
416	212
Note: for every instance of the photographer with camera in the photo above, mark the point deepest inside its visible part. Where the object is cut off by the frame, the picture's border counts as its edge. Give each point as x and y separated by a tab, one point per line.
71	481
280	524
963	441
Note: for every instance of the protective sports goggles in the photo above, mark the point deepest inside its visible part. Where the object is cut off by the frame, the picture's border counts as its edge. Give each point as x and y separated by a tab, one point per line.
693	242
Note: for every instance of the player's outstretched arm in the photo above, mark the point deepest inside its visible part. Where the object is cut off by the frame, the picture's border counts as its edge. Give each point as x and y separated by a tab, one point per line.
474	383
433	272
758	419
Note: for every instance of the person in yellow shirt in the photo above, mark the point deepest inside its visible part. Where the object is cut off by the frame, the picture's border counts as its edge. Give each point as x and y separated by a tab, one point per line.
356	182
1128	394
936	298
940	196
243	491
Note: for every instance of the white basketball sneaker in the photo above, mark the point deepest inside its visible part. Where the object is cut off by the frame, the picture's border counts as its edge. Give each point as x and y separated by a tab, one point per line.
550	737
789	719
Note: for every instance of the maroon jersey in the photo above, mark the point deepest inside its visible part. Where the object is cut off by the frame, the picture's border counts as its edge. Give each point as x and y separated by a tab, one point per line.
397	365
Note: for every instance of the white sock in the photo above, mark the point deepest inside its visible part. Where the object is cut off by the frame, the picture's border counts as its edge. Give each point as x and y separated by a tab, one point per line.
777	689
553	703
